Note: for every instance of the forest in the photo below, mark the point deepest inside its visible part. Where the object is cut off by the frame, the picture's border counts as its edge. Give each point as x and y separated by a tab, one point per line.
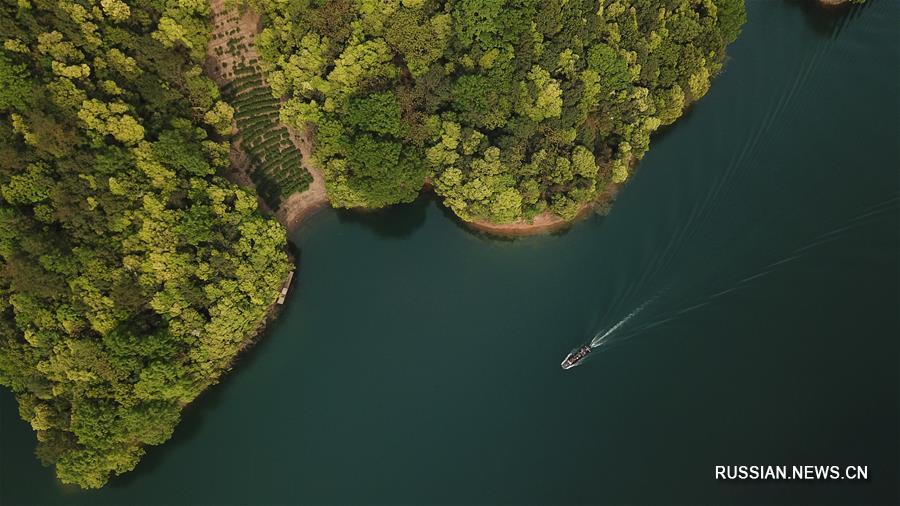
508	108
132	274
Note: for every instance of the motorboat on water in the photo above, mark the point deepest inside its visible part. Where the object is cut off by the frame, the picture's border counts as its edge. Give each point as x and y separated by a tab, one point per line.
576	356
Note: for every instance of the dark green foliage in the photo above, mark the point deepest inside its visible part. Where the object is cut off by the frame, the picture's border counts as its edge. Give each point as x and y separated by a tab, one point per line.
131	274
377	167
483	100
501	98
611	66
378	113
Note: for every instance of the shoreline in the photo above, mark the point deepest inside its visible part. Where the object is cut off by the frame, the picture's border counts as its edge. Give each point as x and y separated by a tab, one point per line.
544	223
547	222
299	206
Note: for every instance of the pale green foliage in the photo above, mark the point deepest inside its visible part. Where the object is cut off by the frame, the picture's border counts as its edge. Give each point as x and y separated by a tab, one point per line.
170	32
111	119
374	14
619	170
117	10
220	117
52	44
699	82
122	63
301	71
15	46
298	114
583	162
360	62
14	86
31	186
542	97
77	71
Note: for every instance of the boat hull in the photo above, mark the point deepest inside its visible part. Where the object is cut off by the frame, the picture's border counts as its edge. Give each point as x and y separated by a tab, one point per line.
575	358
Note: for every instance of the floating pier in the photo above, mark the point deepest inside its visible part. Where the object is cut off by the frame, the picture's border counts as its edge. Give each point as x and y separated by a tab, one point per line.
284	288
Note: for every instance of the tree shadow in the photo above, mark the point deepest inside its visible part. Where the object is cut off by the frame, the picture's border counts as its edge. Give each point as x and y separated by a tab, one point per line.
395	222
666	130
828	20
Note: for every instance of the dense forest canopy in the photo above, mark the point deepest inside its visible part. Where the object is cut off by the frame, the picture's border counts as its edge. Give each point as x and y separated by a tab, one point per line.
131	273
511	108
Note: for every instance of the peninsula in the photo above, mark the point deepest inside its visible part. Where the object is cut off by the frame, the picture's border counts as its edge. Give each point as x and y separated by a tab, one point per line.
148	148
520	113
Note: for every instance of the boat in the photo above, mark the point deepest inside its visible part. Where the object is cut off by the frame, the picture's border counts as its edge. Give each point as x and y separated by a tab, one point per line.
576	356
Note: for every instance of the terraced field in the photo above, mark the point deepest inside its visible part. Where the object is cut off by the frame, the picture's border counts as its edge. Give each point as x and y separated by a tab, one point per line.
275	162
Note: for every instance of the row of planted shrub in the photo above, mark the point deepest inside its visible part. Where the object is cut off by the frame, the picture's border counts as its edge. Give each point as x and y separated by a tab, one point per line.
277	169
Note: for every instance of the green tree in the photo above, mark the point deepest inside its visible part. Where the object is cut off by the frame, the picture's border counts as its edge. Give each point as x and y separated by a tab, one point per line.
14	85
131	274
516	107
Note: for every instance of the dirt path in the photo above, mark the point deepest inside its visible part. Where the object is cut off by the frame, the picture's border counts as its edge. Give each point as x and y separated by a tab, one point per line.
302	204
230	25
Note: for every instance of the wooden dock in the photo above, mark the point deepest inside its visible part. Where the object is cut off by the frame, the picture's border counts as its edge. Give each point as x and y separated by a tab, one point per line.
285	287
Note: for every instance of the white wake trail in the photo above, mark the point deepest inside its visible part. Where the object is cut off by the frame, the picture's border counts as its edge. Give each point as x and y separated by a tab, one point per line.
600	339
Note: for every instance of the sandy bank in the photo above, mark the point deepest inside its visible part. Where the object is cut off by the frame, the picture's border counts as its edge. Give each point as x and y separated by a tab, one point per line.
546	222
543	223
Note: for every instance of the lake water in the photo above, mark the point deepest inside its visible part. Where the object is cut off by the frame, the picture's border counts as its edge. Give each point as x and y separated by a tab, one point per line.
417	362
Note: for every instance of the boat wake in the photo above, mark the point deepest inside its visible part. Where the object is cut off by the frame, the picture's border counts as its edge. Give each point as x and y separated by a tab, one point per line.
609	336
865	217
577	356
601	337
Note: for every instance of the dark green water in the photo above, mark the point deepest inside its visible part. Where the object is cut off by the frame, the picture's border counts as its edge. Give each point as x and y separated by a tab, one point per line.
418	363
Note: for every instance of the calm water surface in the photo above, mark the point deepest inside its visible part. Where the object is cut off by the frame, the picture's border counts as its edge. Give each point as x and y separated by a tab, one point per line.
417	362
